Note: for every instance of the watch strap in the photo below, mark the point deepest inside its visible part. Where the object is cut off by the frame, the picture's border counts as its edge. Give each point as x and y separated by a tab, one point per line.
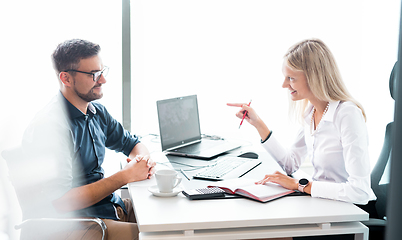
301	188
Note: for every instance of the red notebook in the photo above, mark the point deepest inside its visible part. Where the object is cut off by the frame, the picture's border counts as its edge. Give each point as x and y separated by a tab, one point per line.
246	187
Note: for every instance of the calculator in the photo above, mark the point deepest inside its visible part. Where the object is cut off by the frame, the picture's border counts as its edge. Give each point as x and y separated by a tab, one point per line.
204	193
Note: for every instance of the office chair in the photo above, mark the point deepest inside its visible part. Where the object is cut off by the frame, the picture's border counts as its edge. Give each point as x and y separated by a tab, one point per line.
43	227
377	224
66	226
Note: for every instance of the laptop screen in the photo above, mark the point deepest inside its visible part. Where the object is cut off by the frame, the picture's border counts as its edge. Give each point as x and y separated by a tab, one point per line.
178	121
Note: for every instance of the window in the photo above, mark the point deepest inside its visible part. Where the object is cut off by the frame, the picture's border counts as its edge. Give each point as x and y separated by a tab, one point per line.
232	50
31	30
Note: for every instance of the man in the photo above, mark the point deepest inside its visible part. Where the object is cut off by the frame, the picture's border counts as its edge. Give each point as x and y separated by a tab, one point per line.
68	140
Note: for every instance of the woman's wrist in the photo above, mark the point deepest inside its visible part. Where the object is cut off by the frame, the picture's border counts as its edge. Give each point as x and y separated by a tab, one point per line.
264	140
262	130
307	189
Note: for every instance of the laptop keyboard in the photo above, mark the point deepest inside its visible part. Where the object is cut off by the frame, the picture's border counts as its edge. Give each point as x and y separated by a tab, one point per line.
221	168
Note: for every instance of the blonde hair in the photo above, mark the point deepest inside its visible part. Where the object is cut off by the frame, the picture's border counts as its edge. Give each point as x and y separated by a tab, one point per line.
315	59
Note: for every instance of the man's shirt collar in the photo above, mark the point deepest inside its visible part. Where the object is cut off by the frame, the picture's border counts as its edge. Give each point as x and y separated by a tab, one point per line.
75	112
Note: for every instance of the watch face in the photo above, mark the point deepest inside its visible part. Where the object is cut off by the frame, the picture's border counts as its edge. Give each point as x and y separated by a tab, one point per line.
303	181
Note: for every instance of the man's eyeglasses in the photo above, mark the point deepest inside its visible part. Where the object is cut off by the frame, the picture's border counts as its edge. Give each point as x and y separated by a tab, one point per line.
96	75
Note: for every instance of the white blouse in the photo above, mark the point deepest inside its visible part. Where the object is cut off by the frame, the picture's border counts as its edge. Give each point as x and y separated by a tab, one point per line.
338	150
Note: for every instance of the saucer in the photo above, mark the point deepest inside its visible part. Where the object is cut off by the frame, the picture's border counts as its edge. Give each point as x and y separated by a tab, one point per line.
155	191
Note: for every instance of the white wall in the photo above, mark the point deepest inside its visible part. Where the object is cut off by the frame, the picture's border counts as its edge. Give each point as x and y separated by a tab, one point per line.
231	51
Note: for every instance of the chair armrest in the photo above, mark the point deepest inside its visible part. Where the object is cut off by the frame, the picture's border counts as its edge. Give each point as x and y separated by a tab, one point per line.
66	220
375	222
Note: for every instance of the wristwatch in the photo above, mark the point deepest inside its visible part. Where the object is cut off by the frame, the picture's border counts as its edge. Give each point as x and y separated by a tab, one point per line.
302	184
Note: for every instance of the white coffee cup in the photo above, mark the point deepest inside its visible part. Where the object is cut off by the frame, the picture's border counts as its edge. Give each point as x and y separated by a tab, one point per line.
167	180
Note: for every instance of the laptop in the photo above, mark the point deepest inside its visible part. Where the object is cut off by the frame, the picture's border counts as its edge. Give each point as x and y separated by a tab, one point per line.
179	129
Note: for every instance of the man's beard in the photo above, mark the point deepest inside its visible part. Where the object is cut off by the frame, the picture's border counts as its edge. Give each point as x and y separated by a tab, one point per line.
90	96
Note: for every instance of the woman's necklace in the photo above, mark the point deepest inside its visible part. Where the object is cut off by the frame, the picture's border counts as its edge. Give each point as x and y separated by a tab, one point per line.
312	132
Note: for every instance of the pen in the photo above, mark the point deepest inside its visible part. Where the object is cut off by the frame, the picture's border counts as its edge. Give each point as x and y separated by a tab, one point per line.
244	115
181	170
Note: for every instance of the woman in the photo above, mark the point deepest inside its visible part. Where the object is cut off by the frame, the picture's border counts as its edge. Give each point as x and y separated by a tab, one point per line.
334	135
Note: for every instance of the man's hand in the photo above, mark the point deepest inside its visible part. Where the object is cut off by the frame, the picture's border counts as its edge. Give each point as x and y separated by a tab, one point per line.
149	164
87	195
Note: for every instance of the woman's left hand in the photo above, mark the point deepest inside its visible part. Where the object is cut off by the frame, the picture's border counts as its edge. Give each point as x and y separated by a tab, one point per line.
281	179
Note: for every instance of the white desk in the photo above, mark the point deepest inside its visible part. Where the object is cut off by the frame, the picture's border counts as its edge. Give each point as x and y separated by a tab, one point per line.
180	218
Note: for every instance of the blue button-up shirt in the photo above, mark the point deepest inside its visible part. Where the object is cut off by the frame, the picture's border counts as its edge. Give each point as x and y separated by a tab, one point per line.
92	133
63	148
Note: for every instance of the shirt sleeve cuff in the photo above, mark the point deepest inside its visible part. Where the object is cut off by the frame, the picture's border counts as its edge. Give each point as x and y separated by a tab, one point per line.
325	190
269	135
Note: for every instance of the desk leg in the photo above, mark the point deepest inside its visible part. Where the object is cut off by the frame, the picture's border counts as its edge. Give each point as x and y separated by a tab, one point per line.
362	236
